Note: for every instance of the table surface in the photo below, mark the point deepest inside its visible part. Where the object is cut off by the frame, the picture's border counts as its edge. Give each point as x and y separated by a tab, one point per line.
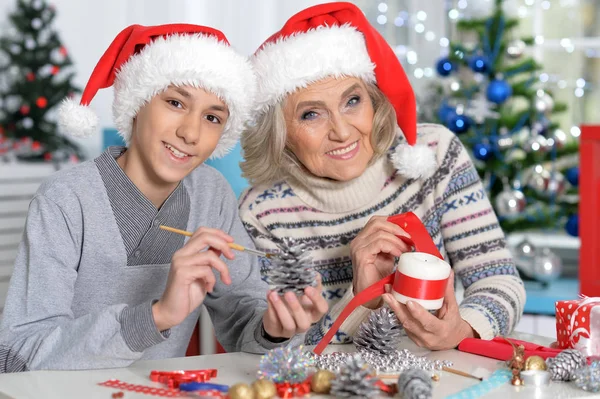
241	367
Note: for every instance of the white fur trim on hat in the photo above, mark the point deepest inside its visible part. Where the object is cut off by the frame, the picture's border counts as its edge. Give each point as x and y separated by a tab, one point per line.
76	120
298	60
196	60
414	162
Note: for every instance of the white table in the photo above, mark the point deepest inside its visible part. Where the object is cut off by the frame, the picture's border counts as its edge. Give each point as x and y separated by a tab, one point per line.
241	367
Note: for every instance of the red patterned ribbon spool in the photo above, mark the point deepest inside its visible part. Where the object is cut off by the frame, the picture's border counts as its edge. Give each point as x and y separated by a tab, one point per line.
162	392
420	240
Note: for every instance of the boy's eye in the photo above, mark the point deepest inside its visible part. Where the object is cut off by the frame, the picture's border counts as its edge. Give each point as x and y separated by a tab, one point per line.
174	103
213	119
309	115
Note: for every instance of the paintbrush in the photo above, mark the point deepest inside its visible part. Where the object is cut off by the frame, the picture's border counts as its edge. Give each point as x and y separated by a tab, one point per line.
232	245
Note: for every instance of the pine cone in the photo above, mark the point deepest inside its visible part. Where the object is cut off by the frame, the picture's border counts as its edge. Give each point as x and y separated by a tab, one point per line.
381	333
415	384
564	364
354	381
291	269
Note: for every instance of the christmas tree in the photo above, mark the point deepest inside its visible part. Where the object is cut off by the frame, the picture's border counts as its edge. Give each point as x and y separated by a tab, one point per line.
34	78
489	94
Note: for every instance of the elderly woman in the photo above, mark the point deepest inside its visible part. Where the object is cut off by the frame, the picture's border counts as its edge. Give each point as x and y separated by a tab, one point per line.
336	149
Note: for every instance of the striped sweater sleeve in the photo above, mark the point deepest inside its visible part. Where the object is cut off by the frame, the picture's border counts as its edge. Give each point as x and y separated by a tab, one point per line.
494	293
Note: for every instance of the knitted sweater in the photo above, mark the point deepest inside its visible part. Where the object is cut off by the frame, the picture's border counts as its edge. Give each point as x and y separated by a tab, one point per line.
326	216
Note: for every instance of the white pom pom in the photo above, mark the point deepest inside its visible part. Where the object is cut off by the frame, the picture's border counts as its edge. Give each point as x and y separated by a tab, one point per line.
415	162
76	120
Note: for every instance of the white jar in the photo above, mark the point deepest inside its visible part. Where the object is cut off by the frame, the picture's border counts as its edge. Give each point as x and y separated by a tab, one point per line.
422	278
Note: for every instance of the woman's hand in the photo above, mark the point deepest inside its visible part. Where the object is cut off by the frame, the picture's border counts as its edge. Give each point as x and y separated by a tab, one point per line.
373	252
435	333
289	315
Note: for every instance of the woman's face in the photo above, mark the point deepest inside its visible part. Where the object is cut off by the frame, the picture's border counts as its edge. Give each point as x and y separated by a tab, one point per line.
329	127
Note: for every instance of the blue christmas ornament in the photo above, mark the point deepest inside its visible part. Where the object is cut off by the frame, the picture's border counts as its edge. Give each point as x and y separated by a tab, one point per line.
479	63
572	225
458	123
498	91
445	112
482	151
445	67
573	176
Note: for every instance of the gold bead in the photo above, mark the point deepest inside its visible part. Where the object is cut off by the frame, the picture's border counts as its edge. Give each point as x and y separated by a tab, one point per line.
435	377
321	381
241	391
535	363
264	389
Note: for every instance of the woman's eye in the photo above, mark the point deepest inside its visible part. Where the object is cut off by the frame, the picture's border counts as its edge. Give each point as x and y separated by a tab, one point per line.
175	103
309	115
213	119
354	100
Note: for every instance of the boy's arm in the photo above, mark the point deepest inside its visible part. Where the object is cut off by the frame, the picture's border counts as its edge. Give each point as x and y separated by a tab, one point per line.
39	330
237	310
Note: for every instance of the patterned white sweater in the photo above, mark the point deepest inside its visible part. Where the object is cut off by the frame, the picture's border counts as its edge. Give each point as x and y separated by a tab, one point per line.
326	216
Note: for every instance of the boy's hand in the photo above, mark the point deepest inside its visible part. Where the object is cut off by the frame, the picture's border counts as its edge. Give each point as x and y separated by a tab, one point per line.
191	276
289	315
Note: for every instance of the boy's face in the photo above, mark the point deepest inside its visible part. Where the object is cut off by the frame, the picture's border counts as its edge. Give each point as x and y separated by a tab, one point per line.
177	131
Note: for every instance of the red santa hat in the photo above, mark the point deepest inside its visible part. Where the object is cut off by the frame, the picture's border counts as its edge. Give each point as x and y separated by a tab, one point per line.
143	61
335	39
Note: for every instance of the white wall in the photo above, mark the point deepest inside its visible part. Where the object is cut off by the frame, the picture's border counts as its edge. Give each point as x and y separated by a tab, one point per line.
87	27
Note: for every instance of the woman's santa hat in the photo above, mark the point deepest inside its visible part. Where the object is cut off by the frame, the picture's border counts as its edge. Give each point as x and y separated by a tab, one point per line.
335	39
143	61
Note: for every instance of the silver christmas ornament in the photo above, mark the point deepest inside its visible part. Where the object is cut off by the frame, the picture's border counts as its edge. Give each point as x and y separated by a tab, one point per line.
510	203
15	49
563	366
36	23
515	48
536	143
291	269
543	102
380	334
546	183
30	44
547	266
354	381
560	138
37	4
12	103
27	123
505	142
515	155
524	254
415	384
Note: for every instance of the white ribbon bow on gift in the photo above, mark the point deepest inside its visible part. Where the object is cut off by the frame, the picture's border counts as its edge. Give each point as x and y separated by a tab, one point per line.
586	345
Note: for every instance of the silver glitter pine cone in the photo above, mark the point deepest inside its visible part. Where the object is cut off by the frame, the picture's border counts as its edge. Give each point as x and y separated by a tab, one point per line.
415	384
354	381
563	366
291	269
588	377
381	333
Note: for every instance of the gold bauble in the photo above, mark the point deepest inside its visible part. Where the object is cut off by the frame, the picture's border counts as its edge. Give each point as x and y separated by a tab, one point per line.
240	391
321	381
264	389
535	363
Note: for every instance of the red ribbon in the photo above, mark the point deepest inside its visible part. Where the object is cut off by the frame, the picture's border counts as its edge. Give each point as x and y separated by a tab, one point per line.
173	378
420	240
419	289
292	390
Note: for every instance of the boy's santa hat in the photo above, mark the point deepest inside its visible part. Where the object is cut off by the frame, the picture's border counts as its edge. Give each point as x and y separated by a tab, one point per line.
335	39
143	61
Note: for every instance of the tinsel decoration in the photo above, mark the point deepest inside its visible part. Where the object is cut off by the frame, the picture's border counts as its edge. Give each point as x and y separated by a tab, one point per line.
415	384
355	381
289	364
588	377
381	333
291	269
563	366
396	362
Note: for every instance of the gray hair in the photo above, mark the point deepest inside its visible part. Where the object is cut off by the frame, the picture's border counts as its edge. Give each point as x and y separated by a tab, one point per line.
268	159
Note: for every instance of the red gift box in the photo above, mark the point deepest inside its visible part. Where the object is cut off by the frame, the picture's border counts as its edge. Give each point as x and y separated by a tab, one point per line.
578	325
